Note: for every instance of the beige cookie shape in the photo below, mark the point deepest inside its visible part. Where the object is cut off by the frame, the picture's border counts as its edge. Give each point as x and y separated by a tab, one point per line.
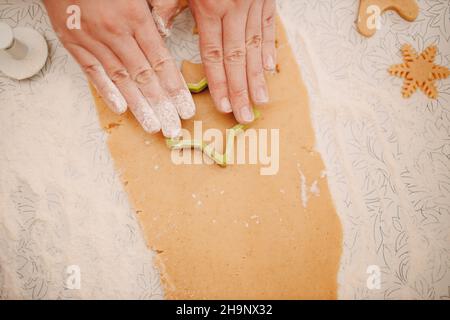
371	10
419	71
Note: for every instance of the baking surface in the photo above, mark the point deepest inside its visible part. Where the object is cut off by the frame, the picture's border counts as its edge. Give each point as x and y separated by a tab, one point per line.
387	162
387	158
226	233
67	230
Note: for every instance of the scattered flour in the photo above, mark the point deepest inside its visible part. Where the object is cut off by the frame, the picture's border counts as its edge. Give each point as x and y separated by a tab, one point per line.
305	191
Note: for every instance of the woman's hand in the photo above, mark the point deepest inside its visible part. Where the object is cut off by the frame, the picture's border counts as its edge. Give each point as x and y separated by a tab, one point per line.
120	50
164	12
237	42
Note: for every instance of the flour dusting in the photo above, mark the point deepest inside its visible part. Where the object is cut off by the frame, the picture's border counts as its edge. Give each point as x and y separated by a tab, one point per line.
303	189
184	104
61	196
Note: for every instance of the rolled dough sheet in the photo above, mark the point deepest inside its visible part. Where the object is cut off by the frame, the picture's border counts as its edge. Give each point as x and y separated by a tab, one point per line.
231	233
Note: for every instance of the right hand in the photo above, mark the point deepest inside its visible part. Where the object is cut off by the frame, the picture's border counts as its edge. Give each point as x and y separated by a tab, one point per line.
237	43
123	55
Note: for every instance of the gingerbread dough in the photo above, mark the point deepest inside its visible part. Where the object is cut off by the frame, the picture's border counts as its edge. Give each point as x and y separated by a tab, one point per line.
231	232
369	10
195	76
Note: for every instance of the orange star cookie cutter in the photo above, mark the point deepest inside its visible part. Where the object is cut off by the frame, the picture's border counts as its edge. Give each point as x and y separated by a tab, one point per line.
419	71
371	10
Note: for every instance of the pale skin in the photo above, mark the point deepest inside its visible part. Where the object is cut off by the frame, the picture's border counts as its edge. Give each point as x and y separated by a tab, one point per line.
120	49
237	42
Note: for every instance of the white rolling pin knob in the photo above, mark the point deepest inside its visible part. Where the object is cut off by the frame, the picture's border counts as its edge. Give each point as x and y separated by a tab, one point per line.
23	52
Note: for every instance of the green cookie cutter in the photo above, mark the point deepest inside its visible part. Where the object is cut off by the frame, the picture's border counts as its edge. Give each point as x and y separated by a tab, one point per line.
198	87
217	157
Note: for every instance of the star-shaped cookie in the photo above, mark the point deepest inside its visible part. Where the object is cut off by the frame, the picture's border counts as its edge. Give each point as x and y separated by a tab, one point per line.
371	10
419	71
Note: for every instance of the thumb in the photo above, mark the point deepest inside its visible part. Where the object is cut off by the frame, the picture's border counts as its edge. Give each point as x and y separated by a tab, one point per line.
164	12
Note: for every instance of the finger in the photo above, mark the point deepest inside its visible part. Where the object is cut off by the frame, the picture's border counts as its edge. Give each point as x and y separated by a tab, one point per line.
235	65
117	72
255	71
210	32
268	49
163	12
142	74
99	79
168	73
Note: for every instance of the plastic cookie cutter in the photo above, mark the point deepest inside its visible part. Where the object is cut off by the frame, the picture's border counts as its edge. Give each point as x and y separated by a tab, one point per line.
194	75
23	52
195	78
218	158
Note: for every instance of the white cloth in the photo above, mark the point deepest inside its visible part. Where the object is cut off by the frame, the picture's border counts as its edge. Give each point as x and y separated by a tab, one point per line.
387	158
62	207
387	161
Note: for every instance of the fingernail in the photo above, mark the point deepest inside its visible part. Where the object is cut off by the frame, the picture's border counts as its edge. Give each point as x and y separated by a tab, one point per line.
146	116
161	24
184	104
117	102
110	92
225	105
247	114
168	117
270	63
261	95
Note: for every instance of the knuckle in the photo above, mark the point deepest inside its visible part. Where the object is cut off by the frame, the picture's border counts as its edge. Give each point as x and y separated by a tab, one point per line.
161	63
138	20
235	55
254	42
92	68
136	14
111	26
212	54
239	93
119	76
144	77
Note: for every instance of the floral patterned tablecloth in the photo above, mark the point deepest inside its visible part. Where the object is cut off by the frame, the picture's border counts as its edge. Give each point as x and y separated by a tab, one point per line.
387	159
